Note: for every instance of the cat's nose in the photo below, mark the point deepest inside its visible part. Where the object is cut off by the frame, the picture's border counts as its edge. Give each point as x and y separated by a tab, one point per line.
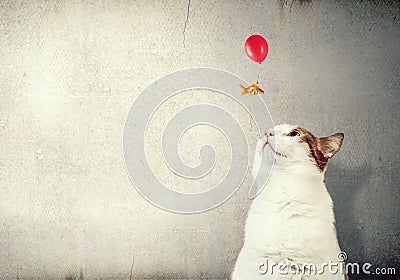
269	133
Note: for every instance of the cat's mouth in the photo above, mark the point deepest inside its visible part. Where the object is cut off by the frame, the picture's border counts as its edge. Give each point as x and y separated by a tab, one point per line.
272	148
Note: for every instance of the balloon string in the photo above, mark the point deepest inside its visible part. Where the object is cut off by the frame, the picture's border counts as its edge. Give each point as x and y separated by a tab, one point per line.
258	74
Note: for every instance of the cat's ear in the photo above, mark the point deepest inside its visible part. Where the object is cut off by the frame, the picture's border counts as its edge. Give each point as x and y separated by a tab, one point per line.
330	145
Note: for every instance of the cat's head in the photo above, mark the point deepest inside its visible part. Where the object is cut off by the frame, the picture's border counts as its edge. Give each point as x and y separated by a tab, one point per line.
294	145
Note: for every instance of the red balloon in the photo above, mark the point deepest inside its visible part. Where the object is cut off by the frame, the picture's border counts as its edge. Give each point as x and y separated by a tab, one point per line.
256	48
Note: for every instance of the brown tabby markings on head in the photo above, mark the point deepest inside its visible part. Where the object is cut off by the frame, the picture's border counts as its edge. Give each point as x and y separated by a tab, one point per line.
321	149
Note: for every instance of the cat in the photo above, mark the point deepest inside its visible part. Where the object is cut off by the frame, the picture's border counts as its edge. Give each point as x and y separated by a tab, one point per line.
291	225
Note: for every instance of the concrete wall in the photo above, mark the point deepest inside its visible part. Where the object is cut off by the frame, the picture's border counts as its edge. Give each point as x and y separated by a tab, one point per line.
70	72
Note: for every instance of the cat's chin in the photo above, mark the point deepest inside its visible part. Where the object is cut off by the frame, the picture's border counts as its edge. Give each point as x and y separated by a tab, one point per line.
268	148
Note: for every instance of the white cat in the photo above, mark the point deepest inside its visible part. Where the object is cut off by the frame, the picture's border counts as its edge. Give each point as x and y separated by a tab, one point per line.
291	225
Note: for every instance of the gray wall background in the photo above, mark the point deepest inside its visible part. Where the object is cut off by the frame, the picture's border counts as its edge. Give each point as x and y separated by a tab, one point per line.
70	72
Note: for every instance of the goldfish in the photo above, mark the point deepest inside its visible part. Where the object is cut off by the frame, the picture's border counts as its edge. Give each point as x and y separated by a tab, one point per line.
253	89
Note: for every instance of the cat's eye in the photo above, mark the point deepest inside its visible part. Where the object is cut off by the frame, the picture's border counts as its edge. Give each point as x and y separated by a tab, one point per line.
294	133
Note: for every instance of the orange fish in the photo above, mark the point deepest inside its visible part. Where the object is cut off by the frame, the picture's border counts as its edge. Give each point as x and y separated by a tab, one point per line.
253	89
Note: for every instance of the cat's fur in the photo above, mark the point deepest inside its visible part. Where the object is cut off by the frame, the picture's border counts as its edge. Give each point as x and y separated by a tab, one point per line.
291	221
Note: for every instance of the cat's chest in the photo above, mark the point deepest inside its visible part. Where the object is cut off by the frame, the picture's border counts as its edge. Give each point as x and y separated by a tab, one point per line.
280	219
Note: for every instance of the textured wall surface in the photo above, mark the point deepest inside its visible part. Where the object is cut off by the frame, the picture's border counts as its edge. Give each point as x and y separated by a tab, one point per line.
69	72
